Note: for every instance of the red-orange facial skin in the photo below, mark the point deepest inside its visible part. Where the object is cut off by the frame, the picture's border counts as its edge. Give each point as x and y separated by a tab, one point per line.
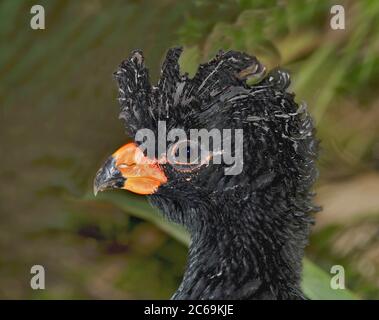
142	175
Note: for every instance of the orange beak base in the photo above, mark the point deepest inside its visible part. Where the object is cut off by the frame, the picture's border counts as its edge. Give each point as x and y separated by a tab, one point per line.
128	168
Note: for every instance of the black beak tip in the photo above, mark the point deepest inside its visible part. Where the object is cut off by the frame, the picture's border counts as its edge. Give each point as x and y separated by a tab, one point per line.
98	182
108	177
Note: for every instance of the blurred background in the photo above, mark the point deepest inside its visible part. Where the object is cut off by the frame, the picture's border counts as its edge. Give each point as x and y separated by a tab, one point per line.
59	121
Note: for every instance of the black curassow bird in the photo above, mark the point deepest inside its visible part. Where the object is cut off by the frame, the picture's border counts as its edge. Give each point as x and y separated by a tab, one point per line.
248	231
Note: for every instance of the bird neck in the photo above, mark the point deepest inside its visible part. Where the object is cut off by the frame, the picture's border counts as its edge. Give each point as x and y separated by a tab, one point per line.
242	251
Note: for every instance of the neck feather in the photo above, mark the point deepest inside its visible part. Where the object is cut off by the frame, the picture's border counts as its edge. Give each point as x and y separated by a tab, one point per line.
240	251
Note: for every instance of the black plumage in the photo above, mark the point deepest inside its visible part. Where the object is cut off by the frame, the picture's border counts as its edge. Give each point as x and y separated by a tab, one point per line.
248	231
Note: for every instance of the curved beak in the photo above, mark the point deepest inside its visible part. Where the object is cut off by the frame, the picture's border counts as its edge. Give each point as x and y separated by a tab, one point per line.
128	168
108	177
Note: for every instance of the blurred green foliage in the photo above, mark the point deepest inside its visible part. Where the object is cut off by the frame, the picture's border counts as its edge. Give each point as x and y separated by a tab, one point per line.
59	121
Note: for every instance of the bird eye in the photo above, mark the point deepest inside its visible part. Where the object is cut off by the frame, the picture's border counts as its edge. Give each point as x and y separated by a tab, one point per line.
186	155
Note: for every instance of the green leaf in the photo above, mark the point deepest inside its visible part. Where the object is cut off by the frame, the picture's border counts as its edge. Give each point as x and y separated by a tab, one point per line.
316	282
137	206
189	60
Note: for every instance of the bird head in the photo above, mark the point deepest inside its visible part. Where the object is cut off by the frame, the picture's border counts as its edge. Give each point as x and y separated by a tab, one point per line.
277	149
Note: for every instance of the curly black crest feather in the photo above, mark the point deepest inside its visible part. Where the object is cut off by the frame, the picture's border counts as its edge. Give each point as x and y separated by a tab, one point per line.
249	230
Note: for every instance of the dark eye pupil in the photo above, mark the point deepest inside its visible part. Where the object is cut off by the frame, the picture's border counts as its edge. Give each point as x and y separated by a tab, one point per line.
188	153
189	150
